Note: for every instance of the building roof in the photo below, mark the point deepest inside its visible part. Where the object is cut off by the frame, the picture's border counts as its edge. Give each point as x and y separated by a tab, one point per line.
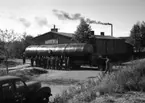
65	34
70	35
105	37
125	37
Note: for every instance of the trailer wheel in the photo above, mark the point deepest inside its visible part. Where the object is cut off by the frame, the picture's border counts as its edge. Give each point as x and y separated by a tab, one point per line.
76	67
101	67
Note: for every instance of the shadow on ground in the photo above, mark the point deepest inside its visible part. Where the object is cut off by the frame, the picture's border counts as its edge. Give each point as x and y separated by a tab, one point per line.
61	81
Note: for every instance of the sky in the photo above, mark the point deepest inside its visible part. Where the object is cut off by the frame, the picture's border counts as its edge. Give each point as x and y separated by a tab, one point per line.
36	17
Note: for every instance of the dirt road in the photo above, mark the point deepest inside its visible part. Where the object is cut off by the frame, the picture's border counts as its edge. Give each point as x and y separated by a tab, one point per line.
60	80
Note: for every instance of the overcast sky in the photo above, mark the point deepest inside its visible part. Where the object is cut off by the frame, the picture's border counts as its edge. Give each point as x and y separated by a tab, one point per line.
38	16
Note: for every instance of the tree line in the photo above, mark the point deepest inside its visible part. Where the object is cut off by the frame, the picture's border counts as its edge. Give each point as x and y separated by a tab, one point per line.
12	44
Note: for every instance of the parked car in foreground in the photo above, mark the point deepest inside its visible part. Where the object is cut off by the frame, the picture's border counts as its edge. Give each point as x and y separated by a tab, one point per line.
14	90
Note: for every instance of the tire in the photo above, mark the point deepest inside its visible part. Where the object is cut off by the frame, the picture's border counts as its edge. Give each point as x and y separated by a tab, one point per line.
42	95
44	99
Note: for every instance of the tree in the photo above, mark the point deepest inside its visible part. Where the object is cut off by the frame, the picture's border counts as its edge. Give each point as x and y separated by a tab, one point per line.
137	35
17	48
83	32
6	38
27	40
143	33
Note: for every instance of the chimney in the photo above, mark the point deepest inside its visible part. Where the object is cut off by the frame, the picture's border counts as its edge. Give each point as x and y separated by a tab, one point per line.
102	34
54	29
92	33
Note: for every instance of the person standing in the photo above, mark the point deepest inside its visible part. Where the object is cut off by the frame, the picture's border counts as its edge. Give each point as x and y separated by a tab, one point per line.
68	63
61	62
53	62
32	61
24	58
37	61
48	62
107	65
45	62
101	63
56	62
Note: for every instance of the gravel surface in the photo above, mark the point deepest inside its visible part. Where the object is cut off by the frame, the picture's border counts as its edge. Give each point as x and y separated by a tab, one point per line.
61	80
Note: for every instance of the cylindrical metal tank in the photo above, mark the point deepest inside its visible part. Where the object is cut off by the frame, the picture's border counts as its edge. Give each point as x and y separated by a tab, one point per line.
72	49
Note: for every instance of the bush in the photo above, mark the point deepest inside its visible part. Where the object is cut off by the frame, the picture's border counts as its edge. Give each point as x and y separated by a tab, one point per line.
127	78
82	92
130	78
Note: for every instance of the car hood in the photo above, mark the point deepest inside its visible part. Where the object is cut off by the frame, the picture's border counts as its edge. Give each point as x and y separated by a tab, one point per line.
33	85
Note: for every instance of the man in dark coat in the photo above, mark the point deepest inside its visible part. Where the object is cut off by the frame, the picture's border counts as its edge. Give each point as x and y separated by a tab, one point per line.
48	62
24	58
107	65
32	61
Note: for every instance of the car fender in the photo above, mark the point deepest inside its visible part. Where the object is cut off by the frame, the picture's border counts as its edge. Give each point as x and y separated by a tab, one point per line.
43	91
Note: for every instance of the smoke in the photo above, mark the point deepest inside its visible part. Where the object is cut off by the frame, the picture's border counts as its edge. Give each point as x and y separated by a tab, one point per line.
25	22
62	15
41	21
96	22
66	16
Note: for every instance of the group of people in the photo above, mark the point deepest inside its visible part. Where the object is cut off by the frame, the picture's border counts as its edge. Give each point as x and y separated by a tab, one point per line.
64	62
50	62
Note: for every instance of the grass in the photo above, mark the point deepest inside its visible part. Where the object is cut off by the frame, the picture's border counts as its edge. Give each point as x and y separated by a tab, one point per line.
127	78
11	63
26	75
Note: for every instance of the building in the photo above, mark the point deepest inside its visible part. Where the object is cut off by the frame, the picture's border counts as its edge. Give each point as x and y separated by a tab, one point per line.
54	37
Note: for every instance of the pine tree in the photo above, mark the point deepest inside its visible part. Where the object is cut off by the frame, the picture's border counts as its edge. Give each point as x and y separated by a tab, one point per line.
83	32
137	35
